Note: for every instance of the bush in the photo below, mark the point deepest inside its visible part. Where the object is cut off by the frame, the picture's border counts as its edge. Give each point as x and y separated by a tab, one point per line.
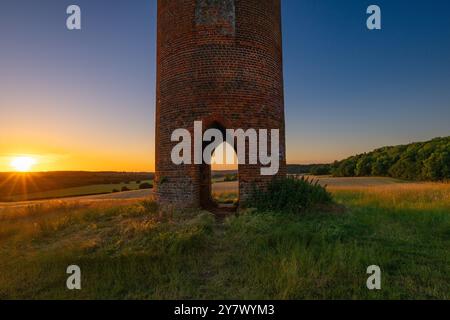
290	195
230	178
145	185
125	189
321	170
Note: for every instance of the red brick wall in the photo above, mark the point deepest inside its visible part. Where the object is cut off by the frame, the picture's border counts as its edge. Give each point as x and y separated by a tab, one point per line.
219	61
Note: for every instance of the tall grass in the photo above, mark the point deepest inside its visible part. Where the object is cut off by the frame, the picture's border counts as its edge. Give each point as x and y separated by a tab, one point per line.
137	251
419	196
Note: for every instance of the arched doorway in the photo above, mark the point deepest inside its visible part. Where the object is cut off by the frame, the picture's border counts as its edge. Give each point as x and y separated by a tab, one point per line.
219	181
225	177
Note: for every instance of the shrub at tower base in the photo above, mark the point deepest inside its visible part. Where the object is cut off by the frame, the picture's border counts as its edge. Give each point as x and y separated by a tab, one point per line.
290	195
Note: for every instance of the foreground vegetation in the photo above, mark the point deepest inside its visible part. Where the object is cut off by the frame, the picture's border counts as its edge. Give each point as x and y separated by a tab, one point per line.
135	251
290	195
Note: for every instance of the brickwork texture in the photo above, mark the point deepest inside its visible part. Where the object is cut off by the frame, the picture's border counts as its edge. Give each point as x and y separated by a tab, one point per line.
220	62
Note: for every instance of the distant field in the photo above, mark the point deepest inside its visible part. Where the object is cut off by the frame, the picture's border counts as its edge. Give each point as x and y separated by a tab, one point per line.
225	187
219	187
227	191
16	184
355	181
76	191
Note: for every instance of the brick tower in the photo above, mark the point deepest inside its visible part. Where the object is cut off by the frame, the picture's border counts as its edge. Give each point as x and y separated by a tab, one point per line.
220	62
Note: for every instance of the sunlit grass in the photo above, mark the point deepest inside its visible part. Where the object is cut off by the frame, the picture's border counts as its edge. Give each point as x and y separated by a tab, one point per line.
134	250
421	196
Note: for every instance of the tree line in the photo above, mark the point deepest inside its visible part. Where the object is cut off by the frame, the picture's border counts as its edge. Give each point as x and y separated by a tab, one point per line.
418	161
314	169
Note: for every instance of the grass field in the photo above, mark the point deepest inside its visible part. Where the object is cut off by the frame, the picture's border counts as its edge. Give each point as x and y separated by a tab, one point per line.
76	191
132	251
224	192
356	181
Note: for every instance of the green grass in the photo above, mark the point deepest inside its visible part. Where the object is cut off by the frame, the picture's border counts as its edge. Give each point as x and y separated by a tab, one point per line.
138	252
77	191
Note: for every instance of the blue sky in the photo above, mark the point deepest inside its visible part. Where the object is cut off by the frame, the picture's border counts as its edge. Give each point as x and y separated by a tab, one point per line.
88	96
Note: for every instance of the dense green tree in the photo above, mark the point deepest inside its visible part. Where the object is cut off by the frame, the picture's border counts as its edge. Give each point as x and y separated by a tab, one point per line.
437	166
364	166
346	168
416	161
381	165
405	169
321	170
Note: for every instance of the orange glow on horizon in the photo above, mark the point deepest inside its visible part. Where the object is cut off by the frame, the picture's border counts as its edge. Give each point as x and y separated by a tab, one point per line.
104	160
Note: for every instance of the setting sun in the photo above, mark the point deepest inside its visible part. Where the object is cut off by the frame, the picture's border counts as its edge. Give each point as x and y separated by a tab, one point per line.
23	164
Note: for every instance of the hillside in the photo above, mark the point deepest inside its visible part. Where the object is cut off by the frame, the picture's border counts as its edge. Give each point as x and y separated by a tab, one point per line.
420	161
13	184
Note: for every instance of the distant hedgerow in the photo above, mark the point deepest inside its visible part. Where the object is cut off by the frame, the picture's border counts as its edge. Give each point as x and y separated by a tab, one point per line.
230	178
145	185
293	195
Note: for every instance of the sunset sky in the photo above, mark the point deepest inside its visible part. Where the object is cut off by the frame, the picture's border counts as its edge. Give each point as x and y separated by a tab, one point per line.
85	100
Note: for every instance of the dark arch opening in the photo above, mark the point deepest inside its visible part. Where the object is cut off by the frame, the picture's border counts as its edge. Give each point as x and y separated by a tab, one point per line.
215	192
